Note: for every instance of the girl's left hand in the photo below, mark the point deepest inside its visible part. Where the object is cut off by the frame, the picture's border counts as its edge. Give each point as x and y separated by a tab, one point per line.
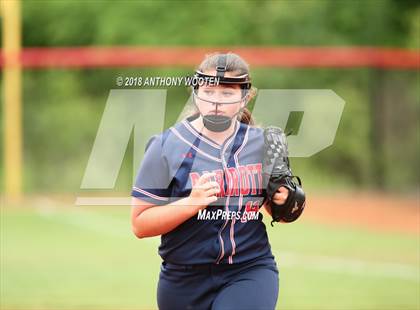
280	196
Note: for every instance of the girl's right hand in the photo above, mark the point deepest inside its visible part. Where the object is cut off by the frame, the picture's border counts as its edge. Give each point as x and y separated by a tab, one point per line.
204	192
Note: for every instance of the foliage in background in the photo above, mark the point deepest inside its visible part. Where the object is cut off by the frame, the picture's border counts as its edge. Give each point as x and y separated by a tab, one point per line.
62	108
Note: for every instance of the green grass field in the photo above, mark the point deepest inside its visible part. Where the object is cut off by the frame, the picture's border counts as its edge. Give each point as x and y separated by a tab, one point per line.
68	257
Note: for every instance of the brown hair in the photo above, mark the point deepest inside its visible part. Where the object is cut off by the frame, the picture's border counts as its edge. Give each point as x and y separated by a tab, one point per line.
237	66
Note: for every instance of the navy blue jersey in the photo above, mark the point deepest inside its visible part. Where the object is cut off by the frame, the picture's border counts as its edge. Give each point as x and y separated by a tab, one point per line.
229	230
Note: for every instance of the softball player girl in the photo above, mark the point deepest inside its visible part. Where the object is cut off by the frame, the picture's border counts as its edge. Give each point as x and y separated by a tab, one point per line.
200	187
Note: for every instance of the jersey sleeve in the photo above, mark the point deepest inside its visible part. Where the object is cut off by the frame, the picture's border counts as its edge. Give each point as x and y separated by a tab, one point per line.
153	181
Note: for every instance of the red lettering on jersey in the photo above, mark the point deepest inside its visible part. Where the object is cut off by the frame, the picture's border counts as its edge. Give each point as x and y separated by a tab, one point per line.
250	209
258	167
251	206
244	181
250	169
220	180
235	180
194	176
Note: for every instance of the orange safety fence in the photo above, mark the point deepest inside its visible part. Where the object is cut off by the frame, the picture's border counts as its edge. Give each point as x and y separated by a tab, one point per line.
296	57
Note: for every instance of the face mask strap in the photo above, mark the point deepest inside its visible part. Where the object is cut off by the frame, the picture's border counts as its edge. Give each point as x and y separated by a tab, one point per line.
221	66
243	80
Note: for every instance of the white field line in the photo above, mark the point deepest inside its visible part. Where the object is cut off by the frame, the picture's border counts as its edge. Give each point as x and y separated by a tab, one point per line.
344	265
106	225
103	201
92	221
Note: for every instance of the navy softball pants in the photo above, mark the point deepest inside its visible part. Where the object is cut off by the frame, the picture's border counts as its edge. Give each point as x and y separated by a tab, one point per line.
252	285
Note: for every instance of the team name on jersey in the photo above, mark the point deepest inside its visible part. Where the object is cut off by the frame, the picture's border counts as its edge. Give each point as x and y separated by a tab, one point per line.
241	180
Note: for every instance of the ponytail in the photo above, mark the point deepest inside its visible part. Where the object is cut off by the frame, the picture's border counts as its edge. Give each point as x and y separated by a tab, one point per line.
246	117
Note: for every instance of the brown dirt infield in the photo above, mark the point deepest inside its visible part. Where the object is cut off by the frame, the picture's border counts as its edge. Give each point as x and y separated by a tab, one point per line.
373	211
